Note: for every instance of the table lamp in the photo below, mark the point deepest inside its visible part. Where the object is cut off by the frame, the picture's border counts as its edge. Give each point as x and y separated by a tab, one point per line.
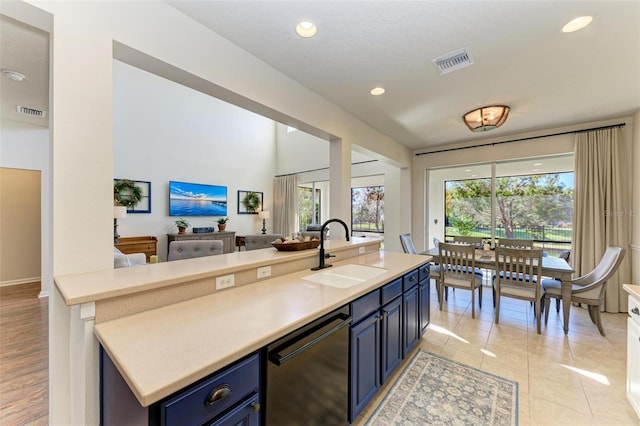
264	216
119	212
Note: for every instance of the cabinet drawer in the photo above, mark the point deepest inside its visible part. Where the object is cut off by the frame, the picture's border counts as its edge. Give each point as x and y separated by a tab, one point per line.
423	272
365	305
410	280
209	398
391	291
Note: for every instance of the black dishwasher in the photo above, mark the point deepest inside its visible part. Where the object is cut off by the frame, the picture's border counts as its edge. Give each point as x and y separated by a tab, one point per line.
307	374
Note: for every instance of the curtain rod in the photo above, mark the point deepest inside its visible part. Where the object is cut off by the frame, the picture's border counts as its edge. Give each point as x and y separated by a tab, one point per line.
523	139
324	168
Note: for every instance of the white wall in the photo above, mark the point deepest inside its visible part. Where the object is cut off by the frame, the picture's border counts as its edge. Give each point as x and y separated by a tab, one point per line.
635	203
164	131
26	146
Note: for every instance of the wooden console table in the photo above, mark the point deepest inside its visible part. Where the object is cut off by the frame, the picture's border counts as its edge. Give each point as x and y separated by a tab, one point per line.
147	245
228	238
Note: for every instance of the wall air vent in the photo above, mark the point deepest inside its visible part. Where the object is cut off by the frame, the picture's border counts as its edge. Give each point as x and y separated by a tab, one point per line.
31	111
453	61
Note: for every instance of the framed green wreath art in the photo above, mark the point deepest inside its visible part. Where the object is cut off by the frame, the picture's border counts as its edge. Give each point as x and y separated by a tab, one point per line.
249	202
135	195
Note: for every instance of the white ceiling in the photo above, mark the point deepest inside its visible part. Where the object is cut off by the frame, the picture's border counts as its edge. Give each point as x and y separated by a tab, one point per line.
522	59
24	49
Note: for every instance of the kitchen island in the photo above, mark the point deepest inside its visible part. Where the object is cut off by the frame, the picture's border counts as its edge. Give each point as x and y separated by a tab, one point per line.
165	326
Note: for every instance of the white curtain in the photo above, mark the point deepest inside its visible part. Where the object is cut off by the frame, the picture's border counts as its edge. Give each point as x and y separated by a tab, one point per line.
601	207
285	205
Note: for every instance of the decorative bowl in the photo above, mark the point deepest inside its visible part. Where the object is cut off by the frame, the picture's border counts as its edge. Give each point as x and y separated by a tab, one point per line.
302	245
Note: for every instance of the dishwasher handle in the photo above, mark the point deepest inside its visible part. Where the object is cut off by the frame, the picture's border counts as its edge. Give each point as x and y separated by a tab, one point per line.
279	359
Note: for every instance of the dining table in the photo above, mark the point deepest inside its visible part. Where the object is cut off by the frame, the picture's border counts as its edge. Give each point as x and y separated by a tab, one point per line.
555	267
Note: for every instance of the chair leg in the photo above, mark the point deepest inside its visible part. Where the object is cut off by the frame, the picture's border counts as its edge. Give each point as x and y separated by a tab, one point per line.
473	302
494	296
497	305
538	314
480	296
446	293
547	302
557	305
440	295
596	314
590	308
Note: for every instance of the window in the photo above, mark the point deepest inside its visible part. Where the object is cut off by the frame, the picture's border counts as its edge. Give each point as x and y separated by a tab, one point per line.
533	199
308	205
367	209
528	206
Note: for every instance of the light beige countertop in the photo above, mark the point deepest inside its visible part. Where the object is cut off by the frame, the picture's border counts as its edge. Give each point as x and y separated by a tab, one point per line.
110	283
162	350
632	289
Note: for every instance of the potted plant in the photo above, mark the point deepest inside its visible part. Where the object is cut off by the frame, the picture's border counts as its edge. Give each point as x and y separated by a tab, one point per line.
182	225
222	223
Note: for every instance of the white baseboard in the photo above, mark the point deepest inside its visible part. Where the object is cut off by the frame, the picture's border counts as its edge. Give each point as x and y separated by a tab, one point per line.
19	282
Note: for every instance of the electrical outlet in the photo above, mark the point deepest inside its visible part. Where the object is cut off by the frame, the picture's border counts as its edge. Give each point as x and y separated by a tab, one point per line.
361	250
225	281
264	272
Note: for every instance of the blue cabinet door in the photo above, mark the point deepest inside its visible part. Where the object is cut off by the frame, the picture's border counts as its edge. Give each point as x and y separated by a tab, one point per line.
424	290
245	414
365	364
410	314
391	339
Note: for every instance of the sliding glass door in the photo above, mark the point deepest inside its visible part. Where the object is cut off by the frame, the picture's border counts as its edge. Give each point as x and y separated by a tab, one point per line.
523	199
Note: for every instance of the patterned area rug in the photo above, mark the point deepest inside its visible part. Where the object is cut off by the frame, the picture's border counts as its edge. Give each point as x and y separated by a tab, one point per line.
436	391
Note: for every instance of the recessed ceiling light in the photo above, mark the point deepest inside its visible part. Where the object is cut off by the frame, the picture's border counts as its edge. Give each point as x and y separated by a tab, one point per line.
577	24
536	170
467	170
377	91
306	29
13	75
537	164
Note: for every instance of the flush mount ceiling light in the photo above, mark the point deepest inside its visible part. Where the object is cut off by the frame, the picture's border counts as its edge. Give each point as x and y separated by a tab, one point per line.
577	24
377	91
306	29
486	118
13	75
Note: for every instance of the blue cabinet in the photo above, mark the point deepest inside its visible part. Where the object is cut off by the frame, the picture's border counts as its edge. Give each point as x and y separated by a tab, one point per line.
386	327
411	329
364	379
391	340
228	397
424	296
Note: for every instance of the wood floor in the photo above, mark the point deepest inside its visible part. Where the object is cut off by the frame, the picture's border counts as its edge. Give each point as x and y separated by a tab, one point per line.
24	356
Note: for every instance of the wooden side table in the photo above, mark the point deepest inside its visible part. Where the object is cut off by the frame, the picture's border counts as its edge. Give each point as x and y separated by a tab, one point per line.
147	245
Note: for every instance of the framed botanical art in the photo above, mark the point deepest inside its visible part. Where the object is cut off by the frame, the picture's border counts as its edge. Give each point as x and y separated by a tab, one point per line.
249	202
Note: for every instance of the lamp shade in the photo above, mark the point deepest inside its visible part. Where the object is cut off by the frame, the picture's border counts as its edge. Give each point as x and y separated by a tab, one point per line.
264	215
119	212
486	118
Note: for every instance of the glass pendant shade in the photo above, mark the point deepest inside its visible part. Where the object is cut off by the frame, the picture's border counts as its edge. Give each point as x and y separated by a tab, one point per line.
486	118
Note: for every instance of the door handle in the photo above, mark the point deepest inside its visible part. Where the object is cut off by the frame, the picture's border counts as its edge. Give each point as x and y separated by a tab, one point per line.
635	310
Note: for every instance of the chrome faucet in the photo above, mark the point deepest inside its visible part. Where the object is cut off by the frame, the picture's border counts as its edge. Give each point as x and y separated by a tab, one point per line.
324	256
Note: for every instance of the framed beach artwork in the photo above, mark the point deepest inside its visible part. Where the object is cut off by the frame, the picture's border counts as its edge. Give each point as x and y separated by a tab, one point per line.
197	199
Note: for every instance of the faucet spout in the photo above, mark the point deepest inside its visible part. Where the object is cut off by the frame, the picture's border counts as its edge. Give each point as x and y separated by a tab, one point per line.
322	255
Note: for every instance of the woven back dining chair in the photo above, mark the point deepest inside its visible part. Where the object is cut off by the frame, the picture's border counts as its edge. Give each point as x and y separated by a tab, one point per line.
518	276
458	270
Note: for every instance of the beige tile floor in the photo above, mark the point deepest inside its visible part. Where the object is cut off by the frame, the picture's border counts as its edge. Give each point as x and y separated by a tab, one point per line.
577	379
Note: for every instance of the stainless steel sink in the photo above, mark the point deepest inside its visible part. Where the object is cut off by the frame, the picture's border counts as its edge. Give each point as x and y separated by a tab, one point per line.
345	276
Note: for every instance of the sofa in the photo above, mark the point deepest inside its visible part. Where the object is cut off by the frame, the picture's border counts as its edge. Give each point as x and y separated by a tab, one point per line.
260	241
121	260
189	249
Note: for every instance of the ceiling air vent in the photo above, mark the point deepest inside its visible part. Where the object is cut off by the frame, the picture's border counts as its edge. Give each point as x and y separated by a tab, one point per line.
453	61
31	111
